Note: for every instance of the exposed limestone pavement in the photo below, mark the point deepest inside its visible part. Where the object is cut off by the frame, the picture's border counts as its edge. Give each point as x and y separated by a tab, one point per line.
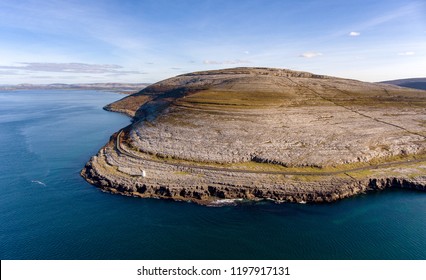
261	133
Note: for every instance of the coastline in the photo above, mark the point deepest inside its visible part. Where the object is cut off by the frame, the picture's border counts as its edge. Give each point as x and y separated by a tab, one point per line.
209	186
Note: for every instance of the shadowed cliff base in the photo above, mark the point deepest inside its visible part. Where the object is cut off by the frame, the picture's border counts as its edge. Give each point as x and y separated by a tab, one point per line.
262	133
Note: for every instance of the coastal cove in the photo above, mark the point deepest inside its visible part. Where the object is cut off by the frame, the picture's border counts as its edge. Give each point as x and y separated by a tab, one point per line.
50	212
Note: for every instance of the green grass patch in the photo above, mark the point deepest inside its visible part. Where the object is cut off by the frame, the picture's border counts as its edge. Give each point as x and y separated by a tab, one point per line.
182	173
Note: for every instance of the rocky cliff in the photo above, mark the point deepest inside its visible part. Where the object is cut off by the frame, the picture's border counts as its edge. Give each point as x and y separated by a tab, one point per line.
256	133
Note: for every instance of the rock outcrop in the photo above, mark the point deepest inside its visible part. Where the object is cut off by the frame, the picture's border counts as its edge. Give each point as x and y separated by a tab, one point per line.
261	133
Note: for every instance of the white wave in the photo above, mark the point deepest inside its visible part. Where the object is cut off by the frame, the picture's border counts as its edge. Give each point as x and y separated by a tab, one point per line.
223	202
38	182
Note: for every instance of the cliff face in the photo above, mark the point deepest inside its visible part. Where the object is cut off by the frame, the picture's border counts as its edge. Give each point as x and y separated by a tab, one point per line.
263	133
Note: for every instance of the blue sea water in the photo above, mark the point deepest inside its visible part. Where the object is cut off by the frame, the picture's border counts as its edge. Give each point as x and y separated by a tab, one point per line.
47	211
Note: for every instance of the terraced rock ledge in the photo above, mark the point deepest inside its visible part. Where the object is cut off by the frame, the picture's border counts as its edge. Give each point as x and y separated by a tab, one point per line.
262	133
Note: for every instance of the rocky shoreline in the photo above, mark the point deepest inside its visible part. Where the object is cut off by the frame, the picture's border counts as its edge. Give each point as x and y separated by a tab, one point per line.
108	172
214	195
324	192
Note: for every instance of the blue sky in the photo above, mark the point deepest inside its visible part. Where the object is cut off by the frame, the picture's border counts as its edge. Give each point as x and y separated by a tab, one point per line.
68	41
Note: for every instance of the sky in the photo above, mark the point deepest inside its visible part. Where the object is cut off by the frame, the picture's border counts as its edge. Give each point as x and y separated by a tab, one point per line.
144	41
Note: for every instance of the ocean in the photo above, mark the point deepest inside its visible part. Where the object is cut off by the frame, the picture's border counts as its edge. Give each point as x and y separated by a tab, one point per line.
47	211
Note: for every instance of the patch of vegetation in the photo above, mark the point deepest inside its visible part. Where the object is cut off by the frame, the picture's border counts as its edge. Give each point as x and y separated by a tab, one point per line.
408	170
182	173
238	99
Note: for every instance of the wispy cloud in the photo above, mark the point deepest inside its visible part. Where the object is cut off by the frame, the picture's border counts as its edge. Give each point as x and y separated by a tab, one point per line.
310	54
236	61
406	10
8	73
73	19
70	68
406	53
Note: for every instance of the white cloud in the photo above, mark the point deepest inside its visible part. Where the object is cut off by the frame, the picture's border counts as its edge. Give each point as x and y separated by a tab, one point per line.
236	61
246	52
310	54
406	53
354	34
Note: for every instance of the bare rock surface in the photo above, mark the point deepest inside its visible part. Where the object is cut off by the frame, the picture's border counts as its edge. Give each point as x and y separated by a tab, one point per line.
256	133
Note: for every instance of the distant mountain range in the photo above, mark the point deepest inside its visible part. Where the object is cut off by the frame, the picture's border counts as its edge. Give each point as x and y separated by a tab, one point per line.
116	87
417	83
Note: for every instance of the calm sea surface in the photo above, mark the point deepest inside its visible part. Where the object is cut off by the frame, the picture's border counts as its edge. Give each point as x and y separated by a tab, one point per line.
47	211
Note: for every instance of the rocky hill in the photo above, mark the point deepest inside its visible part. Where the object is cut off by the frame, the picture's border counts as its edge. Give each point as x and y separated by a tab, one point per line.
417	83
255	133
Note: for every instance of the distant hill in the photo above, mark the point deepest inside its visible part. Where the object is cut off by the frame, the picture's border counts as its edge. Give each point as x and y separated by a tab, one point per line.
116	87
417	83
